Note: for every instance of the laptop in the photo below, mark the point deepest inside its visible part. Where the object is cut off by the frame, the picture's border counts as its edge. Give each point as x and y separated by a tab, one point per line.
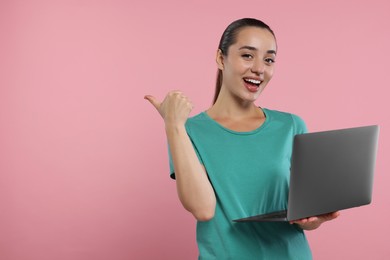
330	171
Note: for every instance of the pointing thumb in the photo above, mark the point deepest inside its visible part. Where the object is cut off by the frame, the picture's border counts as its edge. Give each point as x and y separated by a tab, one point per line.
153	101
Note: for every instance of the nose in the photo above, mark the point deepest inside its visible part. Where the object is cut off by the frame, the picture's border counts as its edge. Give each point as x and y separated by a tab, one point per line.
258	66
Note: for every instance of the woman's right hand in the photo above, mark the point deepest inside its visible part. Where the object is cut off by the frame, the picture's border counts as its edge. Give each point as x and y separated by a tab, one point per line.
174	109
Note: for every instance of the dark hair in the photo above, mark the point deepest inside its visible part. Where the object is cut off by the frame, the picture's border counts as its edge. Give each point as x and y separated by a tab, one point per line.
229	38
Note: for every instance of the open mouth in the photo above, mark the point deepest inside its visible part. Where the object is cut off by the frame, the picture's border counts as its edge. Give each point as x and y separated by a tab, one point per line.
253	81
252	84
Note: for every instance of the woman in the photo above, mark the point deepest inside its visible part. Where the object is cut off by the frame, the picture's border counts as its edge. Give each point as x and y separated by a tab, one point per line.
233	160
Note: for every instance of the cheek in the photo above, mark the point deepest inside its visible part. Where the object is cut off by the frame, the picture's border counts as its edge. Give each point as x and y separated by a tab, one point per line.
241	66
235	72
270	73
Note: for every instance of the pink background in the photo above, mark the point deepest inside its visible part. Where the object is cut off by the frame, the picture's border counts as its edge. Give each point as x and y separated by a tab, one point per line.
83	157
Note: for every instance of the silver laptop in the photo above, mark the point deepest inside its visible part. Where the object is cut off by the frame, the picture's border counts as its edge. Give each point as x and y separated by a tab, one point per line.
330	171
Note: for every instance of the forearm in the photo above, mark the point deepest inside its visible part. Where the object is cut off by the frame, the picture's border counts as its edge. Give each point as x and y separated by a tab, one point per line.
193	186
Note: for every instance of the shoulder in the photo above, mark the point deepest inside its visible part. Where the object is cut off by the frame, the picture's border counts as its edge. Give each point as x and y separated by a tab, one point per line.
196	118
296	121
198	121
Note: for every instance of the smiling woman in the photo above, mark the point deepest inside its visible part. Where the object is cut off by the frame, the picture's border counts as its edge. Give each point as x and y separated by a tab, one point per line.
249	60
233	160
229	37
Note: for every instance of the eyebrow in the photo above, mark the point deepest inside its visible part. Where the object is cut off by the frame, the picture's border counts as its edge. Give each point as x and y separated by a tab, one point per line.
255	49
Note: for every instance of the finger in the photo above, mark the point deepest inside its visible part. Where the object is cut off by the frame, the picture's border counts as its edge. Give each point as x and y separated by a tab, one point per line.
153	101
300	221
330	216
333	215
175	93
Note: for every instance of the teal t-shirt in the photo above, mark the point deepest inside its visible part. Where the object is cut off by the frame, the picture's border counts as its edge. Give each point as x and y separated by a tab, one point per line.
249	172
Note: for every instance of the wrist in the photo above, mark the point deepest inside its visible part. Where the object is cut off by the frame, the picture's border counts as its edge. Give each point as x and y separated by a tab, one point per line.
174	128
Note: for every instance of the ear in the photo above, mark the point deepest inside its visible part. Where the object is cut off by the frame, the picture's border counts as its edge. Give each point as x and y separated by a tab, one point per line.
220	59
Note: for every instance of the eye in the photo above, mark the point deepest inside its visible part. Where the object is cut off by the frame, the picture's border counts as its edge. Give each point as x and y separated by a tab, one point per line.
269	60
247	56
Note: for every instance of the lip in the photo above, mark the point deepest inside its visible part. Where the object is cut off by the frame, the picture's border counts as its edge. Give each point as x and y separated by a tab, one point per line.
255	78
251	87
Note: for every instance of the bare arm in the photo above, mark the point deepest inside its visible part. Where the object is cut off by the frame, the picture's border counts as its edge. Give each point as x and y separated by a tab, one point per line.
193	186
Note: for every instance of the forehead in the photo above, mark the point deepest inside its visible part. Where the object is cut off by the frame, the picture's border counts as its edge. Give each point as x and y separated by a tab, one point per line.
259	38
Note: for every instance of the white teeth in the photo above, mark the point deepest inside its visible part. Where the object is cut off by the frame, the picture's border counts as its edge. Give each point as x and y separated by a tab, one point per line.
253	81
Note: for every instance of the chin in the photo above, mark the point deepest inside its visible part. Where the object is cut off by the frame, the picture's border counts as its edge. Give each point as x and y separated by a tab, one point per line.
251	98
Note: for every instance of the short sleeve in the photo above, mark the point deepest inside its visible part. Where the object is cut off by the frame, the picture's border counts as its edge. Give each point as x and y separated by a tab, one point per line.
299	125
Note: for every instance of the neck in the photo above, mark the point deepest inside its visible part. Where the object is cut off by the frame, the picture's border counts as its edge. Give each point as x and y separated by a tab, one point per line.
227	107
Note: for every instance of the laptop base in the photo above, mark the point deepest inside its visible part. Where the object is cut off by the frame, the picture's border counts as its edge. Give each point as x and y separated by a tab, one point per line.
277	216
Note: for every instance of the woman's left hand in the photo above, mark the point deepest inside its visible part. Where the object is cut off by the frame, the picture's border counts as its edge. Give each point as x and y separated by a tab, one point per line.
316	221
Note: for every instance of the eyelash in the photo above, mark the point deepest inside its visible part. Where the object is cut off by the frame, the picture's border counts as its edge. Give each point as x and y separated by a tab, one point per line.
247	56
250	56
